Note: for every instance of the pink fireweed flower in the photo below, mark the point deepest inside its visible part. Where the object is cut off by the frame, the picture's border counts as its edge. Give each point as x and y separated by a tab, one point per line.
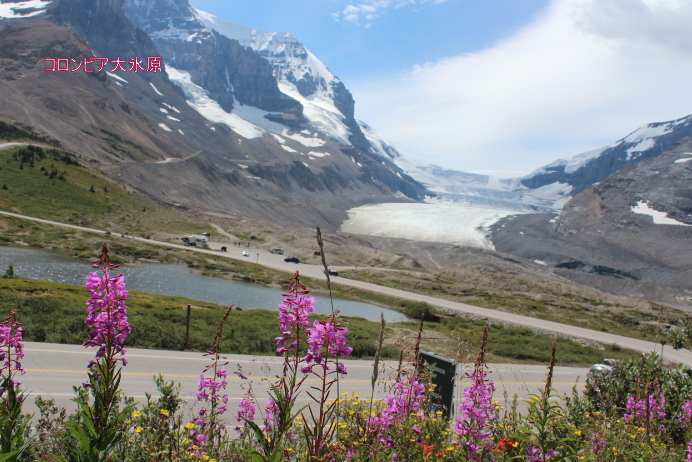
598	442
476	413
271	415
11	349
327	339
409	393
198	434
293	315
107	310
536	454
686	417
209	387
636	410
208	390
246	411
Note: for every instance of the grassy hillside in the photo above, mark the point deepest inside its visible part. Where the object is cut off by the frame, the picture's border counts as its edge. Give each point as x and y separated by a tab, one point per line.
56	185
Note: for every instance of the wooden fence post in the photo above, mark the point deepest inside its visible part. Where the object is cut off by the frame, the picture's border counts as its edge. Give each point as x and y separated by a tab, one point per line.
187	329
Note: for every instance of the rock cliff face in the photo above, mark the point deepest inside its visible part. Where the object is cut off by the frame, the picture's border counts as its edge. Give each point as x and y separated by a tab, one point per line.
103	25
227	70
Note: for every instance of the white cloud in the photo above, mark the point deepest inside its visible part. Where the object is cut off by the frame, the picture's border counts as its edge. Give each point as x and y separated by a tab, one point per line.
584	74
366	12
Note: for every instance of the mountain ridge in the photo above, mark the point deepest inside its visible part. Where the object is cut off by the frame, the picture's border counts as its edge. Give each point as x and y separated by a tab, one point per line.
140	121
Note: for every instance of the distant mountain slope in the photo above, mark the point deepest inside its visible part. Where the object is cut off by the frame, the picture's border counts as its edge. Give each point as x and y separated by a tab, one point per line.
548	188
631	233
585	170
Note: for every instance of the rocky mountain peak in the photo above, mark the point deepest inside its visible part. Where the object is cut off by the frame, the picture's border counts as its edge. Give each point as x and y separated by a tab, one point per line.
103	24
330	107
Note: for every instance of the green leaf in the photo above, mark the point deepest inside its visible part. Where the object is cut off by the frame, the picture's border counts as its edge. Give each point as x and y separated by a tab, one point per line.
276	456
259	434
256	456
80	435
8	455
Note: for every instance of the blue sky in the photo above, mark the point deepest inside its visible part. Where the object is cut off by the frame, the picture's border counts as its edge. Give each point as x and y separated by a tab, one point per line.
358	49
502	86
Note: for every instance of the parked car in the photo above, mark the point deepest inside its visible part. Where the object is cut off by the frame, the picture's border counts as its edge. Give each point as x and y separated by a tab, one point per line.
246	253
598	370
332	272
292	260
599	375
277	251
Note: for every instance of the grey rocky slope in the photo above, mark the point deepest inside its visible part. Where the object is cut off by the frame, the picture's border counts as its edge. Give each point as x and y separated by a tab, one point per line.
607	235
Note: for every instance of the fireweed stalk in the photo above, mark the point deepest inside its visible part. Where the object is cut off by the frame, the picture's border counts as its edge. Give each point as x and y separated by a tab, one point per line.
11	352
686	421
405	401
102	421
544	437
327	339
208	428
279	415
641	411
246	408
327	275
477	411
319	341
13	424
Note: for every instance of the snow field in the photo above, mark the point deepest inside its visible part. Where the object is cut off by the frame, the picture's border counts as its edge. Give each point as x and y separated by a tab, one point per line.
451	223
659	218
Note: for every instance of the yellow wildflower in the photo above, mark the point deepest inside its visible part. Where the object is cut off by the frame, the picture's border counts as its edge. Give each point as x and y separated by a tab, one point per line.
138	430
136	414
165	412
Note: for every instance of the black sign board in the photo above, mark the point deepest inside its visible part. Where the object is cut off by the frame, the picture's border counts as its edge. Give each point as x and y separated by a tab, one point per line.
442	374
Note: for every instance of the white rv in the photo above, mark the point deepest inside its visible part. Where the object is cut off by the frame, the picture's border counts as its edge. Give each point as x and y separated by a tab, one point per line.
196	240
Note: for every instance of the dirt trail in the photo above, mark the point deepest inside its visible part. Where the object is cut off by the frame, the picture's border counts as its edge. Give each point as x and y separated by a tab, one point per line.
220	230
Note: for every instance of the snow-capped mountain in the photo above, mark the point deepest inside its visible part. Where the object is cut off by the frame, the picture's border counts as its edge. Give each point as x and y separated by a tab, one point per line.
217	127
327	107
327	104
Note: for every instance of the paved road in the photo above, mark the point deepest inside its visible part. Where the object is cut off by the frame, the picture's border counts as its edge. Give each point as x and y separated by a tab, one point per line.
14	145
316	271
53	369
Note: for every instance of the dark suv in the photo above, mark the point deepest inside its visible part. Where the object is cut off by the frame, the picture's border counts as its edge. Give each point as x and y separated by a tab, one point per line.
292	260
